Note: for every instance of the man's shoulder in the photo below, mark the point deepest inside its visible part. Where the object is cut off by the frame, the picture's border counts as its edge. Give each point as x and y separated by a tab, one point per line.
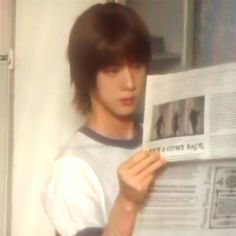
78	144
87	144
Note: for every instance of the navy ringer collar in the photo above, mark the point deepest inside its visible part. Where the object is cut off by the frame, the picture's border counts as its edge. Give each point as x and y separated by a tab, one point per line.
123	143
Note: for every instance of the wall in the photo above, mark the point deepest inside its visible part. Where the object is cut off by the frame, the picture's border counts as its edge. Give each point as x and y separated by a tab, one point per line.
164	18
44	116
215	32
6	108
6	11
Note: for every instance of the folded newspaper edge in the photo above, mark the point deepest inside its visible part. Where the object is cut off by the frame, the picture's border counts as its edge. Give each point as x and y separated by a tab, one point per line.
191	115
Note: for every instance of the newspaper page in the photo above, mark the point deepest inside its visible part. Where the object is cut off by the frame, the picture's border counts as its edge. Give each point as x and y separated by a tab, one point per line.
192	115
191	199
196	196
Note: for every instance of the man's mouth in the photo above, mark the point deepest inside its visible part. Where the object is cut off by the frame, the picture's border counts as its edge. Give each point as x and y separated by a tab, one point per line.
127	101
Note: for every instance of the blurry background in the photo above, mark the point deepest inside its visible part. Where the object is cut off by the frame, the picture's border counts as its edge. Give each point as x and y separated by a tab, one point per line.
214	32
189	33
36	114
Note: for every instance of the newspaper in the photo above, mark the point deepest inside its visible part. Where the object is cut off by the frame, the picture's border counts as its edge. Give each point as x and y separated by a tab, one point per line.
191	116
191	199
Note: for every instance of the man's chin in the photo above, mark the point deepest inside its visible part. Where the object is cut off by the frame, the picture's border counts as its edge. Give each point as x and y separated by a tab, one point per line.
124	115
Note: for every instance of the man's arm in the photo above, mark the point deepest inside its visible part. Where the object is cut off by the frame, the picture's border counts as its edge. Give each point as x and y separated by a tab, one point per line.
135	176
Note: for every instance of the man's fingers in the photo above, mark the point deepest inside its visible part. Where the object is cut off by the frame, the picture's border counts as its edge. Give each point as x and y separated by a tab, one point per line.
134	160
151	169
151	158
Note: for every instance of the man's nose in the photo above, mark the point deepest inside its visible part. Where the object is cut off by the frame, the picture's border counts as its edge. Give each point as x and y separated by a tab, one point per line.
128	78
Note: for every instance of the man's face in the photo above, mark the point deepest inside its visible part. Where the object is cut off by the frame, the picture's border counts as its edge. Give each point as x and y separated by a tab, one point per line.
118	89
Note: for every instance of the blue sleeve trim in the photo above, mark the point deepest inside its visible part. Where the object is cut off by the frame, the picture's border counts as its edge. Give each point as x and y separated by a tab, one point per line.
91	231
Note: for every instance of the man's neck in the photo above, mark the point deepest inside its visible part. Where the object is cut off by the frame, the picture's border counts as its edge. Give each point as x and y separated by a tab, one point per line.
112	126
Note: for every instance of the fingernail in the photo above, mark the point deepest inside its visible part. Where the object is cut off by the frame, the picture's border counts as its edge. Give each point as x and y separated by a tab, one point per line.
163	160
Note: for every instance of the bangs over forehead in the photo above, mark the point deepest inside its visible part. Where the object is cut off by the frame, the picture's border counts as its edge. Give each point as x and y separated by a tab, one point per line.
120	38
110	35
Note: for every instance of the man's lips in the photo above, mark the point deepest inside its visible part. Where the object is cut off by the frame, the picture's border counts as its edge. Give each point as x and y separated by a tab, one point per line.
128	101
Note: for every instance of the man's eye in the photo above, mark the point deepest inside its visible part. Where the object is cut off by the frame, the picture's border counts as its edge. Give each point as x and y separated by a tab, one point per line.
137	65
113	69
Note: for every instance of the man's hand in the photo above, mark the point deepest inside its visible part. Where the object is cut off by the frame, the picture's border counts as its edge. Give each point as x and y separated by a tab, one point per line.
137	174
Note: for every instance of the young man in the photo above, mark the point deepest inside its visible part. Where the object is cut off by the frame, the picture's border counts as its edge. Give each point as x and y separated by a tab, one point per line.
109	51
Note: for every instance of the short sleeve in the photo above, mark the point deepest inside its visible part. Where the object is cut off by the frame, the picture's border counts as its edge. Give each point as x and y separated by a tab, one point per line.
73	197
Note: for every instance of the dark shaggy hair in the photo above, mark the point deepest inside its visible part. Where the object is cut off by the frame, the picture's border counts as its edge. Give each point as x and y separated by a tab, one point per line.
104	35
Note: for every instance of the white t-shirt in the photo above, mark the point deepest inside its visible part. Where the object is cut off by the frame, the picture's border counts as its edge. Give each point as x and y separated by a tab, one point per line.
83	184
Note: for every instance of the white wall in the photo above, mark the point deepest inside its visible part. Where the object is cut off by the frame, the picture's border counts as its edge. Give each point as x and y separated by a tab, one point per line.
44	117
6	42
